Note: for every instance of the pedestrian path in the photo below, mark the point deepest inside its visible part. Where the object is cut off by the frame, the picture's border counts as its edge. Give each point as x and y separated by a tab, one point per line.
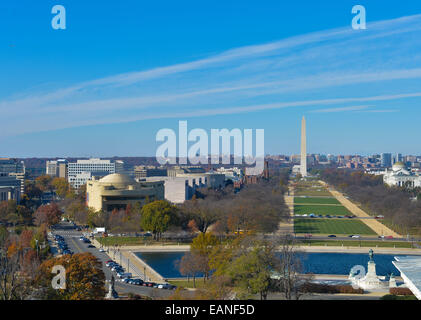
287	227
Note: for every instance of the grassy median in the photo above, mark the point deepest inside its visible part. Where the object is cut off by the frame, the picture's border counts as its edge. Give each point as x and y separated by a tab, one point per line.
331	226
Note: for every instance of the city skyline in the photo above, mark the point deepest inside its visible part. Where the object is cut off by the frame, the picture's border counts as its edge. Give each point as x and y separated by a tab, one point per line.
82	97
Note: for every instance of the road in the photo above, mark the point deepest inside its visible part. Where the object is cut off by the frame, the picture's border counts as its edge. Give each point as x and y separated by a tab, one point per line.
347	238
71	236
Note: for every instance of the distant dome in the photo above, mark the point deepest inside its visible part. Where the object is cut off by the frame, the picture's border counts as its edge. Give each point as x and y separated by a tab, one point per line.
117	178
398	166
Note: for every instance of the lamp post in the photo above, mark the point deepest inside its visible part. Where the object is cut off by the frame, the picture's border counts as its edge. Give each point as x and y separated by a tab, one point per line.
36	245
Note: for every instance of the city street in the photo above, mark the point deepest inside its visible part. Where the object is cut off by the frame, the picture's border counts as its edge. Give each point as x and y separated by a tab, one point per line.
71	236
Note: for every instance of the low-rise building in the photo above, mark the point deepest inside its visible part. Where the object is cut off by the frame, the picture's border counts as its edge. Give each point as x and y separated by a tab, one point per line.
149	171
10	188
180	189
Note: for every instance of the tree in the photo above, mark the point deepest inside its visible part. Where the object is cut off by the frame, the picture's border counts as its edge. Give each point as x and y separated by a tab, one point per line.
290	281
217	288
251	272
13	286
157	216
3	235
25	238
61	186
24	214
190	266
49	214
44	183
85	279
7	208
204	212
200	248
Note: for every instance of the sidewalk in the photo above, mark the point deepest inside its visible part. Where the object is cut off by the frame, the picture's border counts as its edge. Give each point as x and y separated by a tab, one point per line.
287	227
133	264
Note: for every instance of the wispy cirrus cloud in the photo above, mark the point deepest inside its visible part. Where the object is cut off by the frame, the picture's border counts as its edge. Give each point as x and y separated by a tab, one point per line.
339	66
343	109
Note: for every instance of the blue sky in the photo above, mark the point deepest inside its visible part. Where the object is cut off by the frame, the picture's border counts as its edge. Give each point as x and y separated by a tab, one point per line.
123	70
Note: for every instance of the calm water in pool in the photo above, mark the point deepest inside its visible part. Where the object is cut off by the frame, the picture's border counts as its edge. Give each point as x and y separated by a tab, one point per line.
165	263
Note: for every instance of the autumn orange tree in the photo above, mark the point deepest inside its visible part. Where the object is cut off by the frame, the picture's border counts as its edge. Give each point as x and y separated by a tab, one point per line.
85	279
49	214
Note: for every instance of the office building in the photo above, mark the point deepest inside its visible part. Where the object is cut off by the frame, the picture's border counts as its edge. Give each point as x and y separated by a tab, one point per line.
14	168
149	171
56	168
386	160
78	173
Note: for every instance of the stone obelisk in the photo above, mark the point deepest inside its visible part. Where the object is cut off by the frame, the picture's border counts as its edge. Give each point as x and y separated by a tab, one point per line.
303	163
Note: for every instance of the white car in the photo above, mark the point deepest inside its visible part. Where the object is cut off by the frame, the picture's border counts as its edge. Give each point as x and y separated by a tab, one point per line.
101	250
356	236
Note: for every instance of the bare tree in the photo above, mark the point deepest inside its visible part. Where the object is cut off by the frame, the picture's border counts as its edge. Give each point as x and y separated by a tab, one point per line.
190	266
12	280
290	280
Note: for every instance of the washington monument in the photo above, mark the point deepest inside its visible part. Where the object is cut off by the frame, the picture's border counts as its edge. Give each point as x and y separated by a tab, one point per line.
303	163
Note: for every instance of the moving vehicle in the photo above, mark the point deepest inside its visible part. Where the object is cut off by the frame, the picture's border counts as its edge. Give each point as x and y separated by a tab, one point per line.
331	236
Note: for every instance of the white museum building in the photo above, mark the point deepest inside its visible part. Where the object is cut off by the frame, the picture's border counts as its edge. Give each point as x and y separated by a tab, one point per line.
400	176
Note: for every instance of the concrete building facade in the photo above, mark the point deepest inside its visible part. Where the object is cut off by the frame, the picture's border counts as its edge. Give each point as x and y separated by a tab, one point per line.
78	173
10	188
56	168
116	191
400	176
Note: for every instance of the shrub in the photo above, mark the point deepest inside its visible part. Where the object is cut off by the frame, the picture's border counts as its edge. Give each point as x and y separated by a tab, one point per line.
393	297
400	292
330	289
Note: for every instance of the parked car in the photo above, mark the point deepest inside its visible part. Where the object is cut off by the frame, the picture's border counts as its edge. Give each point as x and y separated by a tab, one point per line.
148	284
137	282
168	286
101	250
